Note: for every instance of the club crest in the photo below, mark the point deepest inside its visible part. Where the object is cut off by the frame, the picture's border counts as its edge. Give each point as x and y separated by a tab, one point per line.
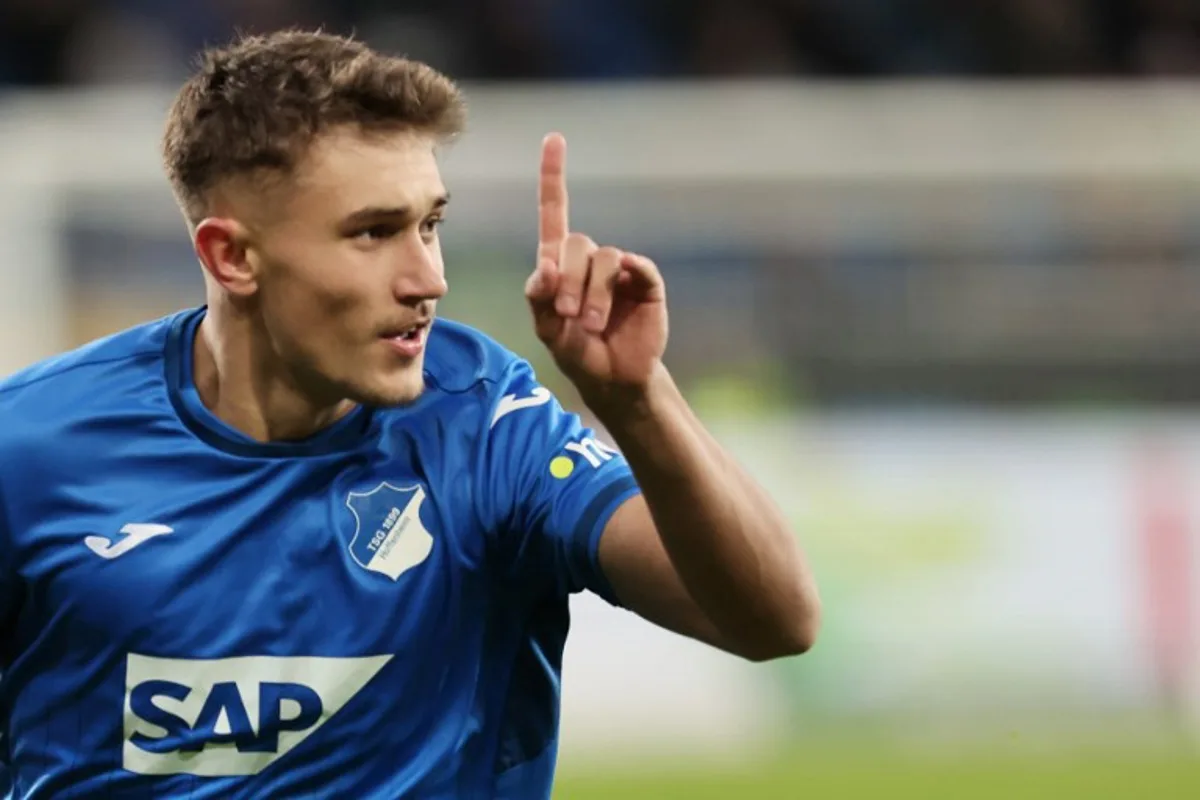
389	537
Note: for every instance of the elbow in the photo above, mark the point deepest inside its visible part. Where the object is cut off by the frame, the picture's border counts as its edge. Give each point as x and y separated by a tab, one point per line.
790	634
793	642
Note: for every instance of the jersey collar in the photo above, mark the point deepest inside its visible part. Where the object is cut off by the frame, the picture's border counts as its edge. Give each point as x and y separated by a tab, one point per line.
344	435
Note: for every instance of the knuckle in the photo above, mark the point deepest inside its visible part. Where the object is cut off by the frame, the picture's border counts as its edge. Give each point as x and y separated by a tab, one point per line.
610	256
580	242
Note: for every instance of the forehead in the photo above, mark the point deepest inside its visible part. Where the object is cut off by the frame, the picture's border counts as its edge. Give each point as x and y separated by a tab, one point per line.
346	170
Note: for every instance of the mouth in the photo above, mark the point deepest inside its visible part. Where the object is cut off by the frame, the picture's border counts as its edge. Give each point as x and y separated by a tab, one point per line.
408	341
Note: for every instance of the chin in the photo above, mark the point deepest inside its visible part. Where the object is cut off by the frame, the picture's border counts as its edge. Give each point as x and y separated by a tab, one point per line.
397	390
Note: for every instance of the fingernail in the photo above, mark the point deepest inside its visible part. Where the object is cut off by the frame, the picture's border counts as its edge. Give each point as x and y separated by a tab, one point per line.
568	306
594	321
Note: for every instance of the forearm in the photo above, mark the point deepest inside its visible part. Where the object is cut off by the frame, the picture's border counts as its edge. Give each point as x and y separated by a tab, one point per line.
727	539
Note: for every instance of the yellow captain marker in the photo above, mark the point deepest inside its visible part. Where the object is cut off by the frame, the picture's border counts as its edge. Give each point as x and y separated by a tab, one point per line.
561	467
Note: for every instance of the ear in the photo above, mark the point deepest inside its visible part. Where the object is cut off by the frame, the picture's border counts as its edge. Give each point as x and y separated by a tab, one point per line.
221	245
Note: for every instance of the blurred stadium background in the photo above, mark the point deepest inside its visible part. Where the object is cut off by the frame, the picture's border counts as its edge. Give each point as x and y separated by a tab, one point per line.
935	270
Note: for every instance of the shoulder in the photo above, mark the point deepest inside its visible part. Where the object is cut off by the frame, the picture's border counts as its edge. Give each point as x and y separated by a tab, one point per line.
461	359
471	381
78	382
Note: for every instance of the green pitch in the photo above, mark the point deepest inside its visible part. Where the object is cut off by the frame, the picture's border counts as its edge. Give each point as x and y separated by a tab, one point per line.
863	776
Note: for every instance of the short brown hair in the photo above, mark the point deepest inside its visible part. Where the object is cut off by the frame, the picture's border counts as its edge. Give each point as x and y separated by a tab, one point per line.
258	104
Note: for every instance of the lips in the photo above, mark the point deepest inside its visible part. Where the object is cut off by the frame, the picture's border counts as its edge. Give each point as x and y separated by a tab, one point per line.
408	341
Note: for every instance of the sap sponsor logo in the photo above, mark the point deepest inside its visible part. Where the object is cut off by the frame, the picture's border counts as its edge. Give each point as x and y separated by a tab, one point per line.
593	452
231	716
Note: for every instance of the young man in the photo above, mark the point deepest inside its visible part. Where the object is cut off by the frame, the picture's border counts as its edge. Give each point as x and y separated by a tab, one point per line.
306	541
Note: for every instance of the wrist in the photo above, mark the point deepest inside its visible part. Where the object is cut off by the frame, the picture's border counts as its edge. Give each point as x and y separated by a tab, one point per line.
624	409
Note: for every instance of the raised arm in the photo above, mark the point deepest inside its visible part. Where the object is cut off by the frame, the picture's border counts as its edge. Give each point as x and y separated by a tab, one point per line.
703	550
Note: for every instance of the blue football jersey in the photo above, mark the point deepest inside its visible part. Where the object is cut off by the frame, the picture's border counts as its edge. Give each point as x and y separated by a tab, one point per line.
378	611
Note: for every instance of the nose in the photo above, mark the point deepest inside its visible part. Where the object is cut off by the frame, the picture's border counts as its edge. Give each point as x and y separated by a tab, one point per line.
420	275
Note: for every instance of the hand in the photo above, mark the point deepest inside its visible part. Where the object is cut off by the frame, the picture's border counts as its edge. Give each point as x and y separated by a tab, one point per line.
601	311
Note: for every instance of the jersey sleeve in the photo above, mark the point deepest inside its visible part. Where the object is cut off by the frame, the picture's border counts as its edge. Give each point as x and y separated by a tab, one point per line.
8	581
550	486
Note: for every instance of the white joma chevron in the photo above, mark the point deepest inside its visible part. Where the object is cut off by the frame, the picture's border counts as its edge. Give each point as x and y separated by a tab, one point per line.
510	403
135	534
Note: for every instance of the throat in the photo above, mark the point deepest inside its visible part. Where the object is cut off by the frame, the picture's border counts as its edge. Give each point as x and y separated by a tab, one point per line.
270	423
259	405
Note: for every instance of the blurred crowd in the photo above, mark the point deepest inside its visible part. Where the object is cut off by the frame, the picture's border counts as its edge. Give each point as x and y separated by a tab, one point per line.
65	42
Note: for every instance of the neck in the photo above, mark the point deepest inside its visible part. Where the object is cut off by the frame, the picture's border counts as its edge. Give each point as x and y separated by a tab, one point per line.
242	385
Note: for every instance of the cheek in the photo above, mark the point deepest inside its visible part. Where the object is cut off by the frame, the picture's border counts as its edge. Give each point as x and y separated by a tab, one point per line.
327	314
315	325
318	281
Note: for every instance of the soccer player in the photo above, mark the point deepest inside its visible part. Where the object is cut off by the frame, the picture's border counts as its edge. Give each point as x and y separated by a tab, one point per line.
308	541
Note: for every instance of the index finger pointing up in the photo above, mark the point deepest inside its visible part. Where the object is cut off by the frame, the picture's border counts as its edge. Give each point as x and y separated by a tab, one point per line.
552	197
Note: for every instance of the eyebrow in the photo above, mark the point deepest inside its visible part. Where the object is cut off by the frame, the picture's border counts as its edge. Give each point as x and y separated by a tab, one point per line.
400	212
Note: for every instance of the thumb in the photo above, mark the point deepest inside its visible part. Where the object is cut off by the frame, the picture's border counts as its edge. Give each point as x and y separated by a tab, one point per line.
542	286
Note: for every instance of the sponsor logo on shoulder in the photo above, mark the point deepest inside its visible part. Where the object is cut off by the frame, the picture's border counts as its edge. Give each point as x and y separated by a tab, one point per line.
591	451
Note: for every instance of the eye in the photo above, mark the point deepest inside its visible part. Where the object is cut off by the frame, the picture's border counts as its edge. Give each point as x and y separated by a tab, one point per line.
376	233
430	225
